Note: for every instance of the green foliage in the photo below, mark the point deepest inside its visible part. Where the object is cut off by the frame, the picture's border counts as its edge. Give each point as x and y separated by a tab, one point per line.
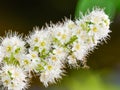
39	68
17	50
36	48
87	80
11	60
117	4
56	41
72	39
43	54
108	5
10	74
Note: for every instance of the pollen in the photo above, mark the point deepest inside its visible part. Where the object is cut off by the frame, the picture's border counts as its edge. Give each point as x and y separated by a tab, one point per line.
77	46
64	36
33	55
26	62
95	29
9	48
49	67
6	81
42	43
54	58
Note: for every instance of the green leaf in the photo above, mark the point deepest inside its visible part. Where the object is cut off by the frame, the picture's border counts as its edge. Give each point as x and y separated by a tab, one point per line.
16	63
6	60
55	40
43	54
117	4
13	60
39	68
86	26
9	73
72	39
84	5
17	50
36	48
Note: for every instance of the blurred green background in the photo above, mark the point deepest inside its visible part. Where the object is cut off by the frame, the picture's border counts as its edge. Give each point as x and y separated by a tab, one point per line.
104	62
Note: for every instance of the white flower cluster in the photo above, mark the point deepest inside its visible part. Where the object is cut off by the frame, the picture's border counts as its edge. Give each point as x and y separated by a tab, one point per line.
45	52
12	52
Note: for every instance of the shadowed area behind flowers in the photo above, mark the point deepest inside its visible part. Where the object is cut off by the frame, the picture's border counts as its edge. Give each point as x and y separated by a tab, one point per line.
104	62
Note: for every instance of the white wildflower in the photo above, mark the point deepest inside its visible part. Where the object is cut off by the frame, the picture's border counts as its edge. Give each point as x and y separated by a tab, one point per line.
27	63
61	33
72	60
13	44
79	50
40	39
14	78
60	52
51	74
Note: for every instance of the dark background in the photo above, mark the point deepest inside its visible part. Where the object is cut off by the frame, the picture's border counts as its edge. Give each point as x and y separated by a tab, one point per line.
23	15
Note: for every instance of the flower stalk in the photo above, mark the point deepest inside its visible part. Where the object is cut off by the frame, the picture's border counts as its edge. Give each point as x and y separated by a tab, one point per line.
49	49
